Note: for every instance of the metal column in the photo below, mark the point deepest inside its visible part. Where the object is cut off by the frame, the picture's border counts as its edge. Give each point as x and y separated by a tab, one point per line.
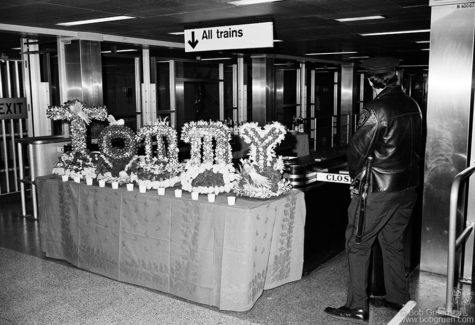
449	107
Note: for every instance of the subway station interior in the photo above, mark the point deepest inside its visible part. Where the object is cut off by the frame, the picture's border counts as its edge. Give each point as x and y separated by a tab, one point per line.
150	64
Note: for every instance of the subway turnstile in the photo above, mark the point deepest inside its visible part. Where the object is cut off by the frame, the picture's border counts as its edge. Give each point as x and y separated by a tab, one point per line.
325	180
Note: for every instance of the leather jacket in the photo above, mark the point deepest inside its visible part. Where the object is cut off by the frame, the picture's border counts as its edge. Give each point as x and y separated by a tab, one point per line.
390	128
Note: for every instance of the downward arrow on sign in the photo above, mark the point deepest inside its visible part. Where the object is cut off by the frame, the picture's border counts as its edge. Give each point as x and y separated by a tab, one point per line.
193	42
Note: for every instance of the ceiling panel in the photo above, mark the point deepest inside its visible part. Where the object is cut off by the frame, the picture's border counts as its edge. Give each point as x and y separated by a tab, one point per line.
304	25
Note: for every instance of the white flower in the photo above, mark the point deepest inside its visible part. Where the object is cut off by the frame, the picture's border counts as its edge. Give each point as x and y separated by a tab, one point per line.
58	171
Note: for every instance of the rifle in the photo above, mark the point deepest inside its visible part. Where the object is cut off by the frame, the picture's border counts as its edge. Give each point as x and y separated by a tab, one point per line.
364	196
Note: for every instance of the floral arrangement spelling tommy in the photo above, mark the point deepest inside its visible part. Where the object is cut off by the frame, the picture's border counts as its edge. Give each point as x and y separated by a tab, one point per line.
209	169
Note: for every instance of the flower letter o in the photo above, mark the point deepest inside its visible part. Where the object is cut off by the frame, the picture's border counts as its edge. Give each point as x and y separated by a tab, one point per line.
113	132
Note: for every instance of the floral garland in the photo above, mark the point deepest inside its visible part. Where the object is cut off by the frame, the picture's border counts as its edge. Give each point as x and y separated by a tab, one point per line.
194	132
146	133
160	171
79	114
160	129
263	184
111	171
112	161
208	178
262	141
260	176
76	164
215	174
113	132
154	172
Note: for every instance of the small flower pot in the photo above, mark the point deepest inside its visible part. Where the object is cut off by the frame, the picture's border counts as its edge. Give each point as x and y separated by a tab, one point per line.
231	200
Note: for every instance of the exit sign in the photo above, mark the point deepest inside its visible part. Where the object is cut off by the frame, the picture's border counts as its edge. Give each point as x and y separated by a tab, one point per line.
12	108
247	36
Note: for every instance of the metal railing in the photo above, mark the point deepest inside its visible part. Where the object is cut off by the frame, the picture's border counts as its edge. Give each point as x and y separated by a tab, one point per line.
334	130
455	243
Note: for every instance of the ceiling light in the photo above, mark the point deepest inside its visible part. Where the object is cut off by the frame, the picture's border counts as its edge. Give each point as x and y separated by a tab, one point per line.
425	49
329	53
278	40
249	2
126	50
342	20
422	42
95	21
358	57
177	33
215	59
405	7
398	32
413	65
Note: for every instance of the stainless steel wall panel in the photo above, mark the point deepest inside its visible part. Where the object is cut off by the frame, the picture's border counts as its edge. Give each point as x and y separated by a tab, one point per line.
83	72
259	86
263	89
91	71
448	125
138	97
179	92
279	92
347	94
72	82
241	90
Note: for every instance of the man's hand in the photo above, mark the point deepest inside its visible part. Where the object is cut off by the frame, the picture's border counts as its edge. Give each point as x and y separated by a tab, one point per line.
353	191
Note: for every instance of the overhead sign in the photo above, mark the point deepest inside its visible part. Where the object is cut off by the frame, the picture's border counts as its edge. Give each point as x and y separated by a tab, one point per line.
229	37
334	178
11	108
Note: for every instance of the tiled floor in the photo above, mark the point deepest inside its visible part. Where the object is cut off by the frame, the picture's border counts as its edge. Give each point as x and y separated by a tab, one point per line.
38	290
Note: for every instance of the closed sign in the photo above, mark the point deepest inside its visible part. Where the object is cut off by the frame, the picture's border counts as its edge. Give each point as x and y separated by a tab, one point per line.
334	178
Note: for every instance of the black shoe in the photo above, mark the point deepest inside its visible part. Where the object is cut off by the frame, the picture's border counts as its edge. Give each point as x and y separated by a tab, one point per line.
381	302
350	315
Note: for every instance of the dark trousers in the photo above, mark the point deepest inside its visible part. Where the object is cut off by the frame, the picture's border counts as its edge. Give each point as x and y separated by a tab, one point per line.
387	215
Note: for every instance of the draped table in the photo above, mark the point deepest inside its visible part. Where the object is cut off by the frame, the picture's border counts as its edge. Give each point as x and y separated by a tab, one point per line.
210	253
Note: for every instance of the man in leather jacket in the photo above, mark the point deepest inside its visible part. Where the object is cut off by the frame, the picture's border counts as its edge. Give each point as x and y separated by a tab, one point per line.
389	129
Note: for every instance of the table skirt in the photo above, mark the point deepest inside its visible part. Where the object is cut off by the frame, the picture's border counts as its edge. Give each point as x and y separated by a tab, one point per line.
210	253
